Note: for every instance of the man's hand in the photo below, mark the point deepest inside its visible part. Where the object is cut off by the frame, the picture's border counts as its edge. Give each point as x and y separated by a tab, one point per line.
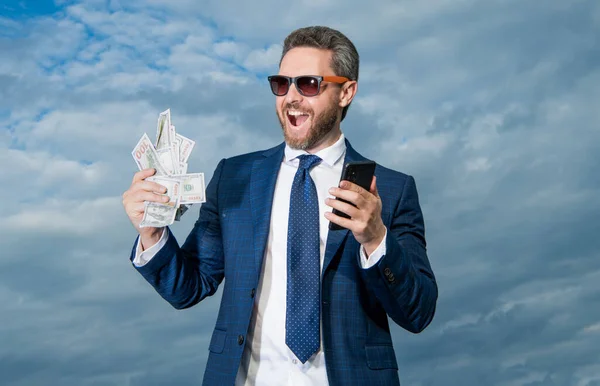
365	219
133	202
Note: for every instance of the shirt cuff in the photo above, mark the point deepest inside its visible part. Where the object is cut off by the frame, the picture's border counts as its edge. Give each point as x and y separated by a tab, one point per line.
377	254
143	257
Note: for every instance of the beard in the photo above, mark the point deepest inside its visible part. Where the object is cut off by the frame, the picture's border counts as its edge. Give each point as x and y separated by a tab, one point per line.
320	126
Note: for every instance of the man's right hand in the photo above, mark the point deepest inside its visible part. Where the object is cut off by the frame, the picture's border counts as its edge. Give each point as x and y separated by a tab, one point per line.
133	202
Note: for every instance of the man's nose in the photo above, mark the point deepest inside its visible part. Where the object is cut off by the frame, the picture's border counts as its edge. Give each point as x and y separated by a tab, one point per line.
293	95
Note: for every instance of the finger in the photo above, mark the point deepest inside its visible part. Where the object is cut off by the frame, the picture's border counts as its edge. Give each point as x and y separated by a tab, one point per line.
351	186
350	210
137	208
344	184
143	174
151	197
150	186
348	195
373	189
342	221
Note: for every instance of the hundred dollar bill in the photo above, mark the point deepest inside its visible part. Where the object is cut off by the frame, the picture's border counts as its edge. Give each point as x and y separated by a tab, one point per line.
167	158
183	168
173	188
146	157
158	215
186	146
163	130
192	188
178	142
173	139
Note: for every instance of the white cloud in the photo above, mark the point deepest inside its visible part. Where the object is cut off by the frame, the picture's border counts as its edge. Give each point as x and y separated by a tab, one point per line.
545	299
594	328
85	129
45	169
477	164
462	321
588	375
264	59
231	50
54	216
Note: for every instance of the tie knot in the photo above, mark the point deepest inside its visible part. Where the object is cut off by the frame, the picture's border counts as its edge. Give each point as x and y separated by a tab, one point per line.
307	161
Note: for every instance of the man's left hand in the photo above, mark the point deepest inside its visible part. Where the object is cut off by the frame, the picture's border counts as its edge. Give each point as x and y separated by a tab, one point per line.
365	219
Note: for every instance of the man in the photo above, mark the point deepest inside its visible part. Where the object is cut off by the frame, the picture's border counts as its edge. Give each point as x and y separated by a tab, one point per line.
301	304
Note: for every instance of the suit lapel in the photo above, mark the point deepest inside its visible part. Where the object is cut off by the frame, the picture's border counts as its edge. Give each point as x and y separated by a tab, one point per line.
262	188
336	238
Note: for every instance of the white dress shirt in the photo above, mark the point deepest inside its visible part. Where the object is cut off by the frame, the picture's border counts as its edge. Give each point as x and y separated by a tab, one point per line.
267	360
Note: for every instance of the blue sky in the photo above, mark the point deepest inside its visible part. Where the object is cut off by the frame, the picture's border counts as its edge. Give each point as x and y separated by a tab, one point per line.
15	9
491	105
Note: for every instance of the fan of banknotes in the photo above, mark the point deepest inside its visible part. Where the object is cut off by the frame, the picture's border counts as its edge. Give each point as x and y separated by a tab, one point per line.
169	156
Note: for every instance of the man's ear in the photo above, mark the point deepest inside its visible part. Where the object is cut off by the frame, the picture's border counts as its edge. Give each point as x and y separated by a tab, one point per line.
347	92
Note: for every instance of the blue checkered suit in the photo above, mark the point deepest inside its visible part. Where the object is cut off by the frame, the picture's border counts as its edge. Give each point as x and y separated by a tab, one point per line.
228	241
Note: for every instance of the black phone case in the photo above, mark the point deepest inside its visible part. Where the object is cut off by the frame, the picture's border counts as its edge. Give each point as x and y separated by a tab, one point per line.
360	173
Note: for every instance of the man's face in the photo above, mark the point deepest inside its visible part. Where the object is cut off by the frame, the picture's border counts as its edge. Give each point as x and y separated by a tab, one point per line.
307	121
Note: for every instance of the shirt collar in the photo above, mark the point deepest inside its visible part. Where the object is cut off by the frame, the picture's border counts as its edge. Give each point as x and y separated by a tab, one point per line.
330	155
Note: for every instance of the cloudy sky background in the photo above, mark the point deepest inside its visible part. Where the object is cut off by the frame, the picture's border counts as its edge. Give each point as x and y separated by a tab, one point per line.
491	105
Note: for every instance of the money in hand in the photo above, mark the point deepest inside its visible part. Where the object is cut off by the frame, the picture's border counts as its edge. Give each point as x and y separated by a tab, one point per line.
169	156
157	215
173	186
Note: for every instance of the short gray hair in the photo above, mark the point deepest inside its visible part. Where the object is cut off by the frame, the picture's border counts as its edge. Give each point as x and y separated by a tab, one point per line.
345	59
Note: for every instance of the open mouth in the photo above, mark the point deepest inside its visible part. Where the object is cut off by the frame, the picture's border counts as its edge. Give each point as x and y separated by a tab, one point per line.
297	118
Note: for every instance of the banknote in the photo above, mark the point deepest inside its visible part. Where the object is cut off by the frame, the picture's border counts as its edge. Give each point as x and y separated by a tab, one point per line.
183	168
166	157
192	188
145	155
178	141
163	130
158	215
186	146
173	139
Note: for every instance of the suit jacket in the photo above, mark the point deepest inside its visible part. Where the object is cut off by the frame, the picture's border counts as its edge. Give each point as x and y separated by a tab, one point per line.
229	239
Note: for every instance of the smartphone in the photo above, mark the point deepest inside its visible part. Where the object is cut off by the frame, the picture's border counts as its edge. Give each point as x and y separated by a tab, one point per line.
360	173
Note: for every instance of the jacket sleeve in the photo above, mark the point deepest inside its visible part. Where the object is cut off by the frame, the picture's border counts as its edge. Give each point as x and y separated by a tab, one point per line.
402	280
185	275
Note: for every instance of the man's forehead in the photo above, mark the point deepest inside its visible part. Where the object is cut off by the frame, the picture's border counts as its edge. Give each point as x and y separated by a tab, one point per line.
306	61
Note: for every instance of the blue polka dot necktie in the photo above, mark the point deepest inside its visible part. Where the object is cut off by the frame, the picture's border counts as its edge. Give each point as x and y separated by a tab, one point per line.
302	328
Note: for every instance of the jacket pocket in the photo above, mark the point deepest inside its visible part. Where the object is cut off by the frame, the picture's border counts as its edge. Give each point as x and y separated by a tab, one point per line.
381	357
217	342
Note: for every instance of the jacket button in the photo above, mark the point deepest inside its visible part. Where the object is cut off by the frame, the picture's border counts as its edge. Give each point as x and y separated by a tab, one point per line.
241	340
387	271
391	278
252	293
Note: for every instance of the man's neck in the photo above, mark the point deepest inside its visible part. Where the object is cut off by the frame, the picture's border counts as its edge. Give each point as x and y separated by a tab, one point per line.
326	141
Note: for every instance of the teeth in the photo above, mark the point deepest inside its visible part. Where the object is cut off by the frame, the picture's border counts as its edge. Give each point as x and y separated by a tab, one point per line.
296	113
